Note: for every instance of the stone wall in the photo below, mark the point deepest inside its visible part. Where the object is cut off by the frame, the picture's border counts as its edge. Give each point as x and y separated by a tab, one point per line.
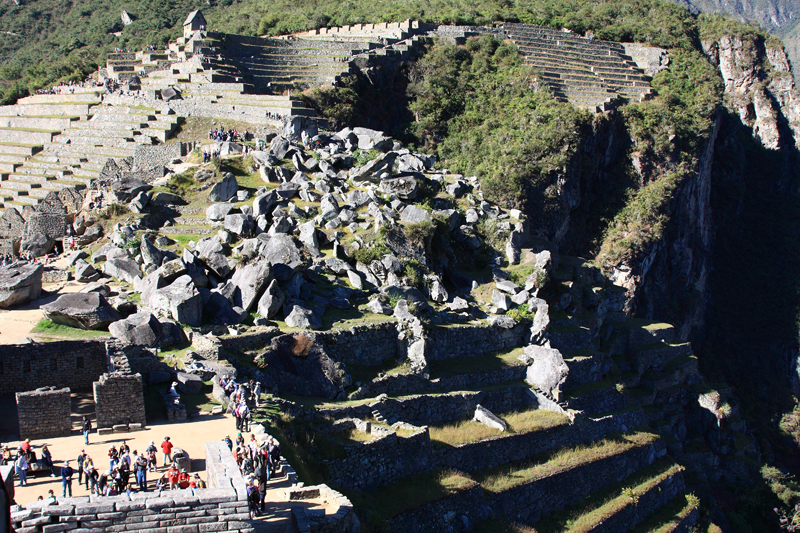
471	341
434	409
390	458
528	503
44	413
74	364
601	401
370	344
381	461
149	156
51	224
119	399
396	384
221	507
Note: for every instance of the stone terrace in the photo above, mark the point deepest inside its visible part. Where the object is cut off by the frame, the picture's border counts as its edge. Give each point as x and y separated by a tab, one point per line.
585	72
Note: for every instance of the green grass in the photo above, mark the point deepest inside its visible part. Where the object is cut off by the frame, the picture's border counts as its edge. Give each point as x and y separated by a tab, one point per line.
668	517
468	431
500	479
583	516
481	363
411	493
365	374
47	330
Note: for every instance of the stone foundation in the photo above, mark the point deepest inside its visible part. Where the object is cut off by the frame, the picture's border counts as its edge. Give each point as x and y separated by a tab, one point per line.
74	364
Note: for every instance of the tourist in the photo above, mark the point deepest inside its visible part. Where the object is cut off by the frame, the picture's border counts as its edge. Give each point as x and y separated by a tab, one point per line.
66	480
244	412
229	442
257	393
113	457
86	428
93	481
7	457
47	459
21	468
253	444
51	497
102	484
151	456
89	469
166	448
124	448
79	461
196	482
140	467
184	479
253	499
25	446
173	474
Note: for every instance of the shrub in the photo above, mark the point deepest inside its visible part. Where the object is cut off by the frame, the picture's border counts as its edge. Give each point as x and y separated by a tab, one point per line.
366	255
134	243
420	232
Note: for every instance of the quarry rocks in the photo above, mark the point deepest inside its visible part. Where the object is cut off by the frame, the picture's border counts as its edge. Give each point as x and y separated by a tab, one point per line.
122	268
546	369
180	300
81	310
224	190
140	329
20	284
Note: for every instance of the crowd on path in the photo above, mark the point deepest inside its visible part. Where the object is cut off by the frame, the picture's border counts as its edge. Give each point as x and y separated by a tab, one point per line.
126	473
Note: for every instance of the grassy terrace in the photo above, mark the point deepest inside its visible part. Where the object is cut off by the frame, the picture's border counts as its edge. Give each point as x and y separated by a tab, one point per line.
670	516
411	493
354	436
500	479
47	330
467	431
583	516
482	363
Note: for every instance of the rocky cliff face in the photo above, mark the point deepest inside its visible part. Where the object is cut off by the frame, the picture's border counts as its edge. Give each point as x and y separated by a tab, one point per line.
758	88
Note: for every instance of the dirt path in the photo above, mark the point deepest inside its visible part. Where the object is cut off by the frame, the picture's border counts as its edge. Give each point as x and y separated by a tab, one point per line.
190	436
16	324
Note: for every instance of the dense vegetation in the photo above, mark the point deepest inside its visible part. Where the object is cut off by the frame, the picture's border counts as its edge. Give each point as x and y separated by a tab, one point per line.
47	40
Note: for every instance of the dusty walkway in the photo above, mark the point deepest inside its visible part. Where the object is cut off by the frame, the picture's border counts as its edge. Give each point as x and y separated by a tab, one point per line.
17	323
190	436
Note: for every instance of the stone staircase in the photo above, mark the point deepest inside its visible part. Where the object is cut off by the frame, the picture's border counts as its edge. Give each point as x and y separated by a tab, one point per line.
584	72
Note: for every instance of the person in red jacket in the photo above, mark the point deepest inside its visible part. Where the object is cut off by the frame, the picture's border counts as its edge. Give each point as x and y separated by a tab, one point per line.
166	447
173	475
184	479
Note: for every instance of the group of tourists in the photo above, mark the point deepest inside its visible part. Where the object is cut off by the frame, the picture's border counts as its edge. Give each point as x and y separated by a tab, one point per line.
221	135
64	88
127	470
258	463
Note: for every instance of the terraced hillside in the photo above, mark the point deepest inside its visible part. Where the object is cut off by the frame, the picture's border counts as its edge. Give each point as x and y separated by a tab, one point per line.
605	450
585	72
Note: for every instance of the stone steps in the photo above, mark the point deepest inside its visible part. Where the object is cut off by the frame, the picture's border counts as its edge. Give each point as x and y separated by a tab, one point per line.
88	98
93	153
19	148
25	136
45	109
37	122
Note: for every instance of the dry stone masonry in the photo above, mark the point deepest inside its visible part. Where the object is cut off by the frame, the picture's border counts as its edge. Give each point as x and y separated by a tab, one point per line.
119	399
75	364
44	413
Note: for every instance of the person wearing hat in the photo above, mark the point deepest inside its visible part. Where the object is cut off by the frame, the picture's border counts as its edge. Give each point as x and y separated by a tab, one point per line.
173	475
66	480
140	467
151	456
184	479
196	482
229	442
166	447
